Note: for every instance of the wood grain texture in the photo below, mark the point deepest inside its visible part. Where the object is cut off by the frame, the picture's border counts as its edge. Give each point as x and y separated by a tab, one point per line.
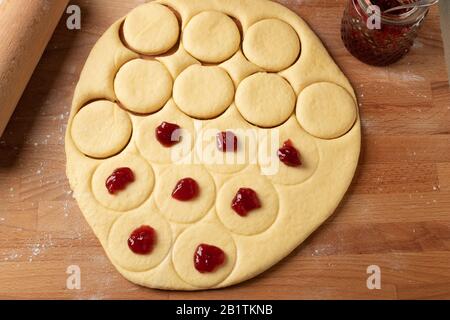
395	215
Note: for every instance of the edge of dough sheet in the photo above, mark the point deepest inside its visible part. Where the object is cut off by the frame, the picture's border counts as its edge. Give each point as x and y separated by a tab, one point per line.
315	200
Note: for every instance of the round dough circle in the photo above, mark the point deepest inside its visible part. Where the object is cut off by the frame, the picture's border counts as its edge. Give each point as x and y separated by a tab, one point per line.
326	110
273	168
203	92
184	211
143	86
150	147
184	250
134	194
265	99
151	29
120	232
101	129
211	37
271	44
257	220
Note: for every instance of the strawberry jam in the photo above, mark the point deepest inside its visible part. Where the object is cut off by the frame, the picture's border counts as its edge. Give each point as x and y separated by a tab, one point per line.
289	155
185	190
119	180
244	201
379	38
168	134
227	141
207	258
142	240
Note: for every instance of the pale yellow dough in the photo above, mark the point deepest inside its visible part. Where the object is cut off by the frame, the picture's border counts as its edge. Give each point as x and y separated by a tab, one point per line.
265	99
271	44
326	110
91	129
203	92
251	67
143	86
151	29
211	36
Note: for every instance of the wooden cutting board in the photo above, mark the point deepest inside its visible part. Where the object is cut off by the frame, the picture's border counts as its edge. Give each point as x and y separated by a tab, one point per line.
396	214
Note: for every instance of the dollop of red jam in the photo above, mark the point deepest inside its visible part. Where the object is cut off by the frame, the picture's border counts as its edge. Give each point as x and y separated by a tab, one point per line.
168	134
207	258
119	180
244	201
289	155
227	141
142	240
185	190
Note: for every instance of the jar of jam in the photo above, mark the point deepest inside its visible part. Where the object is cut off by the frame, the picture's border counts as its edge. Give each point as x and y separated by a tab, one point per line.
379	38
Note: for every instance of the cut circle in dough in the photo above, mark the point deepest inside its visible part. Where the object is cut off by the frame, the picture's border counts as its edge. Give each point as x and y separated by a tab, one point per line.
101	129
210	233
151	29
211	37
134	194
184	211
265	99
143	86
326	110
270	164
203	92
271	44
120	232
257	220
227	162
151	149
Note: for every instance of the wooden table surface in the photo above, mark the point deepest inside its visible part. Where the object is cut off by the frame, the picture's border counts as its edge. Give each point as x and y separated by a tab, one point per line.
396	214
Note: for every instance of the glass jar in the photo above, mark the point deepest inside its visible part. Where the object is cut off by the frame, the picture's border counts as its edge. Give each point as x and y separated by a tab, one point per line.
376	38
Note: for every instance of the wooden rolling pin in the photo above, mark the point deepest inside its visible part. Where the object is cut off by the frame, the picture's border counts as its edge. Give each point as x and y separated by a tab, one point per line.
26	26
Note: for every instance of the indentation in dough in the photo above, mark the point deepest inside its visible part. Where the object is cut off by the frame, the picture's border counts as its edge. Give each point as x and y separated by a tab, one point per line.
227	162
265	99
134	194
184	248
178	61
120	232
270	164
271	44
257	220
238	67
203	92
151	29
184	211
211	37
143	86
326	110
150	147
101	129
